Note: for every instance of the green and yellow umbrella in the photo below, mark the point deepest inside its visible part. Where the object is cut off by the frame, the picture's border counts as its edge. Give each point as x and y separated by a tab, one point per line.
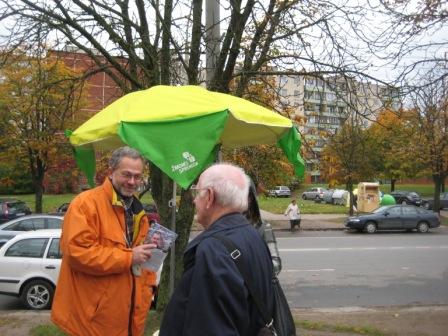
178	128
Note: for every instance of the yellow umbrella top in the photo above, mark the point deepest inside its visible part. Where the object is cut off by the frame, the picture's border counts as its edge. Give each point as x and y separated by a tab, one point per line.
248	123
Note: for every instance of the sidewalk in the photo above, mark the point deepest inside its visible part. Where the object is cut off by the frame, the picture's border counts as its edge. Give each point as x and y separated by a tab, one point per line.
308	222
381	321
346	321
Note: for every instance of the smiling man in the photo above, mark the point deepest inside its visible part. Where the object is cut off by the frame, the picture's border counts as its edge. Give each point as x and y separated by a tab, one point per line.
102	288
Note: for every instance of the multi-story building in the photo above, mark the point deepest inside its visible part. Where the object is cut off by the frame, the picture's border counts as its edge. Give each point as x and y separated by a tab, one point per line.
325	104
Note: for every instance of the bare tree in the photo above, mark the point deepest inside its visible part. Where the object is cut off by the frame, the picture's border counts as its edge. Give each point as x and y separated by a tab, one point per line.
417	31
142	43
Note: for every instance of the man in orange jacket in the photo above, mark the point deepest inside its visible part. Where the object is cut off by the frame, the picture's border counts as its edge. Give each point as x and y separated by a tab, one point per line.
102	288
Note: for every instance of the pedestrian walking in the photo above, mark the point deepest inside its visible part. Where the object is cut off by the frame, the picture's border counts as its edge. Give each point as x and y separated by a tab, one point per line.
293	212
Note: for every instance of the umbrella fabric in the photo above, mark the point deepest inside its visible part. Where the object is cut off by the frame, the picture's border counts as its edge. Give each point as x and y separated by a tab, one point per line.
178	128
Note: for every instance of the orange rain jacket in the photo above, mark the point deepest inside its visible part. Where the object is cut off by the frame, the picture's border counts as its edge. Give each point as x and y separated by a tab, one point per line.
96	293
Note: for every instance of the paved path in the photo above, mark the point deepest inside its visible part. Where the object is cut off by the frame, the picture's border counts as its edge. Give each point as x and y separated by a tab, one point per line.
308	222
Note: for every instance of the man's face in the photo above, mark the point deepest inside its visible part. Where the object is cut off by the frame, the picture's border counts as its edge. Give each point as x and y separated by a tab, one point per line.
201	202
127	176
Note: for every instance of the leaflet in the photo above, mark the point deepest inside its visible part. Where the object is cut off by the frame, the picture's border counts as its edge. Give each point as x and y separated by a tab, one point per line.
163	238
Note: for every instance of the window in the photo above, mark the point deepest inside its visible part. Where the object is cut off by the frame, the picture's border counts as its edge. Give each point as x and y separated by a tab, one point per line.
309	94
318	96
28	225
16	207
31	248
54	223
395	211
331	96
309	82
409	211
54	252
296	80
296	93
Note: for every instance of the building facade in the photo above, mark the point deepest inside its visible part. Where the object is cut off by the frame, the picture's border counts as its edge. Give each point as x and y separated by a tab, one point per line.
325	104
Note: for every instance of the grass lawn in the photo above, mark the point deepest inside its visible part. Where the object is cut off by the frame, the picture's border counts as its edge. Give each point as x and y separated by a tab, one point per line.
51	202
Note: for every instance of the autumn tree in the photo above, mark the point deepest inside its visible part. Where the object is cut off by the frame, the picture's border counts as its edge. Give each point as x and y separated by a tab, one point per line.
428	120
39	96
390	141
348	156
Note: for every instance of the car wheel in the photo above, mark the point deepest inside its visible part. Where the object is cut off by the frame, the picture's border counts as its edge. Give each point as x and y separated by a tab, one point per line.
304	197
404	202
37	295
422	227
370	227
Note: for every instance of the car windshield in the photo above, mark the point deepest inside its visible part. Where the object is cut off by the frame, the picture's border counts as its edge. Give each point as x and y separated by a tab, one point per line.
380	209
413	194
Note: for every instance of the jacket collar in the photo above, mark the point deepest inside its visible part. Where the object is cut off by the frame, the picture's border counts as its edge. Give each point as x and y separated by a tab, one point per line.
137	207
227	222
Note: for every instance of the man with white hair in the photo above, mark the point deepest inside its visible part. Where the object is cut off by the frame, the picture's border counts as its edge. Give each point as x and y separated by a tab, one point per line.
211	297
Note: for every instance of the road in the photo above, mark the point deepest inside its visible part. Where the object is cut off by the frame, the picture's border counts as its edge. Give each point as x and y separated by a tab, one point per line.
337	269
324	269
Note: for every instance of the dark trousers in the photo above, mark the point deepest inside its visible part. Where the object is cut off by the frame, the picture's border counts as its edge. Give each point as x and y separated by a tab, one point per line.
294	222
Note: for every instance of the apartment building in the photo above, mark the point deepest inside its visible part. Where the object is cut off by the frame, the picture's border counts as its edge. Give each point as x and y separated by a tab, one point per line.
325	104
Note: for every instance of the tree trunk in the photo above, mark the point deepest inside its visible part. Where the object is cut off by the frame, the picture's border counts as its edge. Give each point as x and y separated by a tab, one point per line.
438	180
349	187
161	190
392	184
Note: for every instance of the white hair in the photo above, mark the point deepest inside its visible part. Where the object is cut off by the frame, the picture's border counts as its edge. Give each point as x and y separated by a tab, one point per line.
230	185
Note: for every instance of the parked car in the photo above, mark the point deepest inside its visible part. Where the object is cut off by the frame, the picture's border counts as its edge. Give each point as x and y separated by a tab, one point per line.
340	197
395	217
280	191
327	197
11	208
407	197
429	202
19	225
29	267
62	209
313	193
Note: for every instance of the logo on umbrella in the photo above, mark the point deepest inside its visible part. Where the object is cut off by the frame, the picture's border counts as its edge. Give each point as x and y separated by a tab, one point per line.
189	163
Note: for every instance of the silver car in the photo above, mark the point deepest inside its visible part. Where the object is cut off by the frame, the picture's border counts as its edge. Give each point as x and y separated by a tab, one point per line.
280	191
19	225
313	194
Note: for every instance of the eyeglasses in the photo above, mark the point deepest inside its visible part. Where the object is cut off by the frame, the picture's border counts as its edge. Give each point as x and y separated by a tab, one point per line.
128	176
195	190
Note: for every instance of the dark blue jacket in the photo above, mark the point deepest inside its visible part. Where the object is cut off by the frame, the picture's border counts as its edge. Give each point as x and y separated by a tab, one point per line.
211	298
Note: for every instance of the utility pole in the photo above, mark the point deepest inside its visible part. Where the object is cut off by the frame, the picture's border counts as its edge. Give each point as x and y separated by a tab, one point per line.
212	37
